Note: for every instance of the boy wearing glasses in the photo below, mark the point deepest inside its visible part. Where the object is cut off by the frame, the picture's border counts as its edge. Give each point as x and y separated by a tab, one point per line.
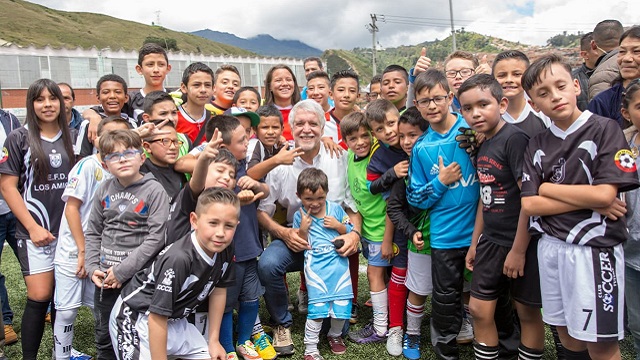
162	153
443	181
74	287
126	227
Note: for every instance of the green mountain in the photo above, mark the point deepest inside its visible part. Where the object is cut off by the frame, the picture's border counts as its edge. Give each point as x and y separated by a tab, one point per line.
25	23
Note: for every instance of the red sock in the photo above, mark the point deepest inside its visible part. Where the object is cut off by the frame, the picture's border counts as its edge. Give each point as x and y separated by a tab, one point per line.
354	267
397	296
303	282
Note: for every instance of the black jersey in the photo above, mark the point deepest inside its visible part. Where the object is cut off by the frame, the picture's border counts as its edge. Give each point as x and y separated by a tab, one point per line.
178	224
499	169
532	125
181	278
171	180
43	199
592	151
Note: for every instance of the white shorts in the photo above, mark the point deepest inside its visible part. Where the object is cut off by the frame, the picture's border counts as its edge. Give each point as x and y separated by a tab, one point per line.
35	259
419	274
71	292
582	288
129	332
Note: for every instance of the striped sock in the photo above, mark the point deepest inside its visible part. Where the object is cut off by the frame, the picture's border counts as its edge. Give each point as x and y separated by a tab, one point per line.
484	352
415	313
525	353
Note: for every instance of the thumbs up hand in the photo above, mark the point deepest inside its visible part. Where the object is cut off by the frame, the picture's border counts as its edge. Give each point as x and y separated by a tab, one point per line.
423	63
484	67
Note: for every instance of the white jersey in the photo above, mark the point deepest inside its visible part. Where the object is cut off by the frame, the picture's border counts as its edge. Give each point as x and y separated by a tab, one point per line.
84	179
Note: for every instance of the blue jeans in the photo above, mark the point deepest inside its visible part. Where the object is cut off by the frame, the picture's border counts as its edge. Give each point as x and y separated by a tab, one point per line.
7	232
632	289
277	260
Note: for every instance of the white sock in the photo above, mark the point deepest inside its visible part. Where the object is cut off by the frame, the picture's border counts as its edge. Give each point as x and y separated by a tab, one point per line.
63	333
312	336
415	313
257	327
336	327
380	302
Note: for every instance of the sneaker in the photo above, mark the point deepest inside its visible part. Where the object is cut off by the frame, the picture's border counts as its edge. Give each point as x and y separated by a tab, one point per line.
232	356
411	347
78	355
303	301
10	336
247	351
337	345
264	347
282	342
366	335
394	341
465	336
354	313
314	356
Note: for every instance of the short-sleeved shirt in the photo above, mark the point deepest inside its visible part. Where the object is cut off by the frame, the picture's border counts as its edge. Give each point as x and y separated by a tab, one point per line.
42	198
181	277
326	272
371	207
191	127
592	151
171	180
499	166
179	224
247	241
383	158
84	179
529	121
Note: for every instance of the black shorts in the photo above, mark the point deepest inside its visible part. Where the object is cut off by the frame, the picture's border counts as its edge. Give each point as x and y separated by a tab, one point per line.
489	281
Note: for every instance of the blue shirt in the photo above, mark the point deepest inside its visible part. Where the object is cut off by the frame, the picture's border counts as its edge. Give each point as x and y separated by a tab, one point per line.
246	239
608	104
452	208
326	272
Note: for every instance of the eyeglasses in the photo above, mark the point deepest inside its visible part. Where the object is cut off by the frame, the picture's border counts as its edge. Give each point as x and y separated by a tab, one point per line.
127	155
463	73
438	100
167	142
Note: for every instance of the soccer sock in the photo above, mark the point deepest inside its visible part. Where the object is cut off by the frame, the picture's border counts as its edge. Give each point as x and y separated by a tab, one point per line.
556	340
303	282
354	267
336	327
484	352
576	355
33	327
226	332
379	301
257	327
525	353
312	336
246	319
397	296
63	333
415	313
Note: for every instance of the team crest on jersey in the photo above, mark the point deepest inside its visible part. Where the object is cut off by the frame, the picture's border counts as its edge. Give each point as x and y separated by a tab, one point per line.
624	160
205	292
122	207
98	174
558	171
73	183
55	160
346	220
166	284
5	155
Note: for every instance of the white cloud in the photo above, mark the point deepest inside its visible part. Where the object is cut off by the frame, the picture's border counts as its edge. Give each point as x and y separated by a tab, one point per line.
341	23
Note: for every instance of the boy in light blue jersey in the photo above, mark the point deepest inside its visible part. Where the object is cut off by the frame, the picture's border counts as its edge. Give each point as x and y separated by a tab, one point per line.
442	179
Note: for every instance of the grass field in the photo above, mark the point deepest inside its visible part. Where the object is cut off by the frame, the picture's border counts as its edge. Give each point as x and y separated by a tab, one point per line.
84	340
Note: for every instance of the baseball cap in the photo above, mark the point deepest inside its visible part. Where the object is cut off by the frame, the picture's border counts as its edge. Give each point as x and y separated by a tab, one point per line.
237	111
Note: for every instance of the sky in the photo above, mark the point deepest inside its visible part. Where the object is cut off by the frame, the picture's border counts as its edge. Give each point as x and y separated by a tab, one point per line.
341	24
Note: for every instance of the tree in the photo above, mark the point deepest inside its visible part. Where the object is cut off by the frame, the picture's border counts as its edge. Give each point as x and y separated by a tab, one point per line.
167	43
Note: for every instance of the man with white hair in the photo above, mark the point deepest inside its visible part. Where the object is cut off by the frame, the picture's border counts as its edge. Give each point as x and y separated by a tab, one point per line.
286	252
